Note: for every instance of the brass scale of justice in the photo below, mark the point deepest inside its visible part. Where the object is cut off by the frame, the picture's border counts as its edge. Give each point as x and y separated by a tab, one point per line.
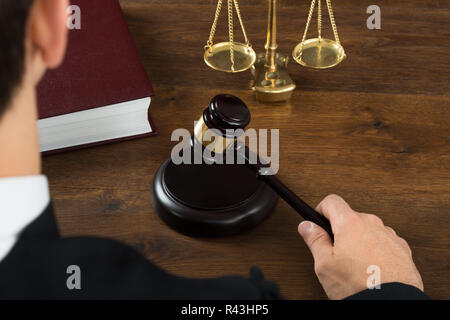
272	82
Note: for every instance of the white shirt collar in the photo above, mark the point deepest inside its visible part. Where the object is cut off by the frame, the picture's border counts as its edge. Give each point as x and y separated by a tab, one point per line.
22	200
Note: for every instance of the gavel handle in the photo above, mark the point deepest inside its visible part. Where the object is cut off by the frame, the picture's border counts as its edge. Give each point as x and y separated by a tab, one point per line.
298	204
290	197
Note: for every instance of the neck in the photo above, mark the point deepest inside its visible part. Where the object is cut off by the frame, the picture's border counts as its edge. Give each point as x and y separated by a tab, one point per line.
19	139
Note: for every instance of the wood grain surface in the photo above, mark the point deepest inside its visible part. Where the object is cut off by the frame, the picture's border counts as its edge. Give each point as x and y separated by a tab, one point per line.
374	130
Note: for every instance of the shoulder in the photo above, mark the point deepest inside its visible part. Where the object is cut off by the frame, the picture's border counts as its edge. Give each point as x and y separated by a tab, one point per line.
40	268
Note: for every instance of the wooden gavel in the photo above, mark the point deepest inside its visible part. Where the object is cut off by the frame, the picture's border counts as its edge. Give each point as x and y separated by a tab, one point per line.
227	113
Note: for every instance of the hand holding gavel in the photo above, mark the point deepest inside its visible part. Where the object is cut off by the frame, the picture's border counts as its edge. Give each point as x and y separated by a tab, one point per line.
363	241
365	252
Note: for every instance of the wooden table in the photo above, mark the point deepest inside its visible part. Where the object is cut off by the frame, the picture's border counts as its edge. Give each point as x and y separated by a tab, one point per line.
374	130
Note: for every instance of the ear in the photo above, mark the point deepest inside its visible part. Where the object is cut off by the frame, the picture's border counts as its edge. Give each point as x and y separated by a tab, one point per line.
48	31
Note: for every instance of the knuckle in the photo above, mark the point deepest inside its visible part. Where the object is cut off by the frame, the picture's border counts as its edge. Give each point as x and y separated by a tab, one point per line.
392	231
329	202
406	245
354	220
374	219
332	198
403	241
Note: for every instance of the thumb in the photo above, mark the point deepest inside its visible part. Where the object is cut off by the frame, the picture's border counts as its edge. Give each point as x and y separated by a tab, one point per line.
316	238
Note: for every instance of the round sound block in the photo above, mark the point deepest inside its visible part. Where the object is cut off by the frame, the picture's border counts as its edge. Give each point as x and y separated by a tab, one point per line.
211	200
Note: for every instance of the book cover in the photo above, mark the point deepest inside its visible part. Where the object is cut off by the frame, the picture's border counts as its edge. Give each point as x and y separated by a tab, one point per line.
101	67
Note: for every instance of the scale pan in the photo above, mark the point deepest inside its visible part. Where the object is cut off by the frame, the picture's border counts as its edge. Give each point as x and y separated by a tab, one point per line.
319	53
218	57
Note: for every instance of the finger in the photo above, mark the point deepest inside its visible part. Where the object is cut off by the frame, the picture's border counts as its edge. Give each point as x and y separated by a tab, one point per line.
400	240
405	244
336	210
392	231
317	239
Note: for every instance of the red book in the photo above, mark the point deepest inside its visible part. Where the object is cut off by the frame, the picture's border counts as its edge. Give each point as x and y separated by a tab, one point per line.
101	93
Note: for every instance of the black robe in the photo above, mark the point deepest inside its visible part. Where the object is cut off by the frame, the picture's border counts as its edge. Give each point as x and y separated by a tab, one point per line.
37	268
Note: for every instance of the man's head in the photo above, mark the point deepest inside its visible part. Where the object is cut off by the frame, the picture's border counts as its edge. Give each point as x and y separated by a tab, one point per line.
32	38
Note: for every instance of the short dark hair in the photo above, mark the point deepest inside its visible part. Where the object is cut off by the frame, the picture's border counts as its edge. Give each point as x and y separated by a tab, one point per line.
13	21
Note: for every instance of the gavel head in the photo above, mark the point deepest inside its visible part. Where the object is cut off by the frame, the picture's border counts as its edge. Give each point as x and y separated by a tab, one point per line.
219	125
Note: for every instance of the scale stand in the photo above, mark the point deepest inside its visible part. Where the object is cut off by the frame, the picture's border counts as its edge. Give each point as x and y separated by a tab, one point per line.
272	81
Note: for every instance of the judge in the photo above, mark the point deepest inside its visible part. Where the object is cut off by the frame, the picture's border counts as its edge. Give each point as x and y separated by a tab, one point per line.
35	259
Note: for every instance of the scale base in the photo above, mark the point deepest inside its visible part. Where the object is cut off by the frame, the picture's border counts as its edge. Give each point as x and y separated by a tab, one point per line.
319	53
272	85
211	200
